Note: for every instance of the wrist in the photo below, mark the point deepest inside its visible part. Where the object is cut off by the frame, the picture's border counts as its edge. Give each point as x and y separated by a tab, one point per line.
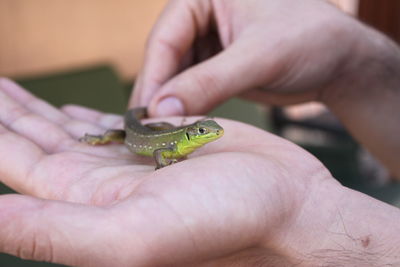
341	227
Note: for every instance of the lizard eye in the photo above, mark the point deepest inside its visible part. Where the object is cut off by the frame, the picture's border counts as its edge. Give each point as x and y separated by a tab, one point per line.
202	130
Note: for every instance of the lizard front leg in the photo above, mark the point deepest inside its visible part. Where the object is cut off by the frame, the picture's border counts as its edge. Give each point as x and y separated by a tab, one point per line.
161	160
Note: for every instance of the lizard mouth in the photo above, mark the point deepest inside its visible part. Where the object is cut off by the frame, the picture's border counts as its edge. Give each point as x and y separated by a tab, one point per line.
217	134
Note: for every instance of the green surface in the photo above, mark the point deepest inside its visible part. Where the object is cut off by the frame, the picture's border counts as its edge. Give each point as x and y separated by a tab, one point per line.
241	110
98	87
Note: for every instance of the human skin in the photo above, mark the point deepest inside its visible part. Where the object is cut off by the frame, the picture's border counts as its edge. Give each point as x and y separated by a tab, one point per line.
240	201
275	52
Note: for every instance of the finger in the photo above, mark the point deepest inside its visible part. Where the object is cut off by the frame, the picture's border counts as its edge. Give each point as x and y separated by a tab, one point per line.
56	231
170	40
18	157
47	135
94	117
207	84
79	235
31	102
73	127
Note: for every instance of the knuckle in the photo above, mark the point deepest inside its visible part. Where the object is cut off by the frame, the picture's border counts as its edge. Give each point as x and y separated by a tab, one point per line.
36	247
34	243
172	48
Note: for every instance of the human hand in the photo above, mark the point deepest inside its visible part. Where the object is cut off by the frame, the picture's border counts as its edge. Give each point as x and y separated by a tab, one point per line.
235	200
201	53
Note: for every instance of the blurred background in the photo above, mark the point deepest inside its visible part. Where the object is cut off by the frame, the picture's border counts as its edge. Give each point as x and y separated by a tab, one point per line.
89	51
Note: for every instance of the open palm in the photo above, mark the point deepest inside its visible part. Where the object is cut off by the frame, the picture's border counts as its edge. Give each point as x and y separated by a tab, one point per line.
103	206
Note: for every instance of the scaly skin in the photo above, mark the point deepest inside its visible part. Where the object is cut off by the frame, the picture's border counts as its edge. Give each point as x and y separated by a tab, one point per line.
163	141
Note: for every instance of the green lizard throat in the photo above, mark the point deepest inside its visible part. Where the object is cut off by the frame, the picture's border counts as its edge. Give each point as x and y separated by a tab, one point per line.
165	142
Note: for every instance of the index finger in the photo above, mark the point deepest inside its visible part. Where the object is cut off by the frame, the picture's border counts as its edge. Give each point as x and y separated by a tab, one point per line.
170	40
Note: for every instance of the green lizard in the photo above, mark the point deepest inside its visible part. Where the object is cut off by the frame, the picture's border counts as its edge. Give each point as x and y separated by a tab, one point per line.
165	142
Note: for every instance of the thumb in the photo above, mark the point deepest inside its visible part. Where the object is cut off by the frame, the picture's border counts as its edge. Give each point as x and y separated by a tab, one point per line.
54	231
203	86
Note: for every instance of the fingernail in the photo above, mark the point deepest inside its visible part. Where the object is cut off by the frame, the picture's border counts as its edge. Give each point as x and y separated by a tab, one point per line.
170	106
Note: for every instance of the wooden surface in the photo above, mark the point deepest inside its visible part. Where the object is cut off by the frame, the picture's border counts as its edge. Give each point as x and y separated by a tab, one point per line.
39	36
383	15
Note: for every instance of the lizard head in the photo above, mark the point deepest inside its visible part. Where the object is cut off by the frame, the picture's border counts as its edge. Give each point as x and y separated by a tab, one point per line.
204	131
